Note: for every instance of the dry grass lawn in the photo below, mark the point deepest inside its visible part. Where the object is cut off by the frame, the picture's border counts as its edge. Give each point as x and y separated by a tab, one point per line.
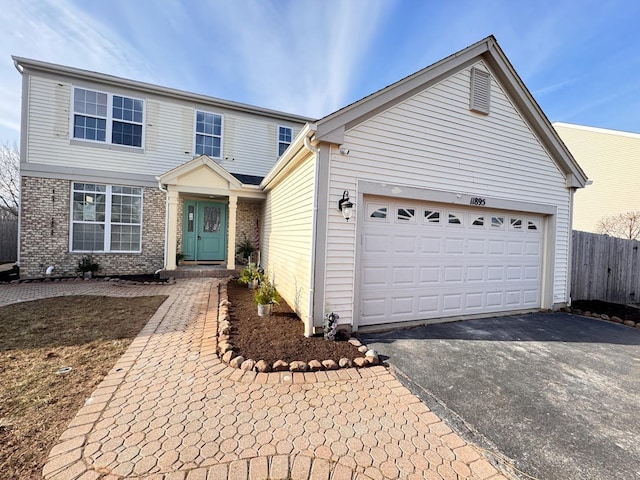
87	334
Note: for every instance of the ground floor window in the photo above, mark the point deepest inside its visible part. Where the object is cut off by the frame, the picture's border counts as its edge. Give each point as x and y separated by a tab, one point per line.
106	218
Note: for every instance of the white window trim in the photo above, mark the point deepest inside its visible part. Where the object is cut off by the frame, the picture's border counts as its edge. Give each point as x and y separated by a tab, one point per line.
195	132
279	142
107	215
109	118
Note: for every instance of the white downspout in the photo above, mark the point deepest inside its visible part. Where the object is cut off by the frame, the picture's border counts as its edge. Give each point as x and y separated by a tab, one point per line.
308	327
166	222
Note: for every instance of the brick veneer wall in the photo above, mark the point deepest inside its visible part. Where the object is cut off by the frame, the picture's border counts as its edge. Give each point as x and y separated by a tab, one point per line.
247	218
45	225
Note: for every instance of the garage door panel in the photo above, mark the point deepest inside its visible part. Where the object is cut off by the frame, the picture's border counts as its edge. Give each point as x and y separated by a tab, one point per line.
374	276
403	275
426	267
375	243
428	305
404	245
453	274
495	273
430	245
429	275
454	246
402	305
452	303
476	247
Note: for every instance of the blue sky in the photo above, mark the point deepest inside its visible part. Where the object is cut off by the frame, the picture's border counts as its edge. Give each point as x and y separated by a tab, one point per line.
580	59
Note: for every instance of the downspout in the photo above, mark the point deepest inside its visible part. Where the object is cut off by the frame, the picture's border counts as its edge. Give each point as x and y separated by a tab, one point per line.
166	223
308	327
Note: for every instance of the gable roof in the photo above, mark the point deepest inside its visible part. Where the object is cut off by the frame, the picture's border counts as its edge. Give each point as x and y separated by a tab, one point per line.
332	127
174	174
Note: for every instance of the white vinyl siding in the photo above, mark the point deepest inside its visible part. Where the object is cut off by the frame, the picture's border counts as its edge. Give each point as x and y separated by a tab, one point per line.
169	128
432	140
286	236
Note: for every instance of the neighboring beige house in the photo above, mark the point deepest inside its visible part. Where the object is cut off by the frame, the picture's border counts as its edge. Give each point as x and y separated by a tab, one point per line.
611	159
459	189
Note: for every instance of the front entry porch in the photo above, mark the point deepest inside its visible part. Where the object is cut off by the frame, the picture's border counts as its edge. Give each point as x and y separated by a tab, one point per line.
206	213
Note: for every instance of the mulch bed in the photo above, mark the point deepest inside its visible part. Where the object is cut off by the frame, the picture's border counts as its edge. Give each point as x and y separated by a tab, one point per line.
279	336
612	309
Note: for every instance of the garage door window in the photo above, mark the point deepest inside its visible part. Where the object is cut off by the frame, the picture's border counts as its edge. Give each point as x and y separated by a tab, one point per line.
431	216
497	222
478	222
516	223
455	219
532	225
406	214
377	211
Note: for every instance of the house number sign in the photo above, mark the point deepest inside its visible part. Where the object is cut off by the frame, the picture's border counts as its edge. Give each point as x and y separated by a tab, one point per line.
477	201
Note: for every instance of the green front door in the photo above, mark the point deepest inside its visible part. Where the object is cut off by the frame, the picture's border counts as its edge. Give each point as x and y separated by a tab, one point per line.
204	230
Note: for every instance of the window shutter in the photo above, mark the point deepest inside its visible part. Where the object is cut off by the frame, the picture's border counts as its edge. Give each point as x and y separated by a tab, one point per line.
480	91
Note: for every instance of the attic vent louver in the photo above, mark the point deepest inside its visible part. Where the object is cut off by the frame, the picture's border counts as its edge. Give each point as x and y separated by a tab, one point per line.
480	91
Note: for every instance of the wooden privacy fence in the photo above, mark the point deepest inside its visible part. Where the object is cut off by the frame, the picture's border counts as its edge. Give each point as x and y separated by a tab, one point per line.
8	238
605	268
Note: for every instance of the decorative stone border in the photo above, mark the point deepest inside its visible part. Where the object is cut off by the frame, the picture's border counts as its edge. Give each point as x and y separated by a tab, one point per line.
614	319
170	281
226	350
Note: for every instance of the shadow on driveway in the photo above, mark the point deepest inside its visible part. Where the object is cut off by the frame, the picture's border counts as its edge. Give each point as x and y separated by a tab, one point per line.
556	393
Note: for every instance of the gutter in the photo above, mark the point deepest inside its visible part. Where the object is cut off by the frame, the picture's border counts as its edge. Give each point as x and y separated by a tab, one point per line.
309	324
298	143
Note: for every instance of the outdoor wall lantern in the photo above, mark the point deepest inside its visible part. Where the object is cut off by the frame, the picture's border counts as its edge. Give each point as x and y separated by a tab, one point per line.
345	206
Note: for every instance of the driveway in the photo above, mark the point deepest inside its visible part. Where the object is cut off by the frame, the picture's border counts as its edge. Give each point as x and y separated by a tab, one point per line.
558	394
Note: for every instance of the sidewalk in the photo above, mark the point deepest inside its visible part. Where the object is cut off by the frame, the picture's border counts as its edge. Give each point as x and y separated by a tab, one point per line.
170	409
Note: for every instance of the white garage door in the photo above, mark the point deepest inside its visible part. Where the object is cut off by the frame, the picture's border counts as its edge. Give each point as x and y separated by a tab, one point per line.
421	261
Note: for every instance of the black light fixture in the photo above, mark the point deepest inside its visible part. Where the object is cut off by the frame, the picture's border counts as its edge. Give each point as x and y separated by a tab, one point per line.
345	206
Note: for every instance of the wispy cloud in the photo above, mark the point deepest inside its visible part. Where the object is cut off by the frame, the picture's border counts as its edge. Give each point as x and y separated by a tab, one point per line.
298	56
56	31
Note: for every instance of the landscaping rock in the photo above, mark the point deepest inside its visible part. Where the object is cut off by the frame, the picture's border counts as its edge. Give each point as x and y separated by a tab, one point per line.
345	363
236	362
224	347
223	338
587	313
355	342
248	365
280	366
604	317
297	366
616	319
372	357
315	365
226	358
629	323
330	364
225	303
577	311
262	366
565	309
360	362
224	328
363	349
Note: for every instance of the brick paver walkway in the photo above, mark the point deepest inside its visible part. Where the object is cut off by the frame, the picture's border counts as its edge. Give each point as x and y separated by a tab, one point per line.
170	409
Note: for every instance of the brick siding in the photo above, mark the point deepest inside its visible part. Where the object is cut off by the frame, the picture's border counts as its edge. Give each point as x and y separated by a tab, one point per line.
45	225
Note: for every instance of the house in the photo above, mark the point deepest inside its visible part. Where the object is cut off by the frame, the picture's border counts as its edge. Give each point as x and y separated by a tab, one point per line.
612	161
447	194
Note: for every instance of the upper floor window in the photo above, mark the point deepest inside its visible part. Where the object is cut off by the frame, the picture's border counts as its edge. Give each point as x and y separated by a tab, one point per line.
104	117
285	135
208	134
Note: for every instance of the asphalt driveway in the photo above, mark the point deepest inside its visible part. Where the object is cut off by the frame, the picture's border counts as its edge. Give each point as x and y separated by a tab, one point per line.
558	394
